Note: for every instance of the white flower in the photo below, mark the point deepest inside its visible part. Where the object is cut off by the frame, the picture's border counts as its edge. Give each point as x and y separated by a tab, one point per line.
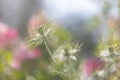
60	55
37	35
73	57
101	73
104	53
72	51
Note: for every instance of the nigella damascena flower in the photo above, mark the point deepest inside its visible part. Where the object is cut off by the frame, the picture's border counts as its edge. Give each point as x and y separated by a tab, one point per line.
66	52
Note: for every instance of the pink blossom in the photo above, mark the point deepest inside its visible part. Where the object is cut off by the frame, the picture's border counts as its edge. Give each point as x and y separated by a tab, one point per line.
23	53
3	28
3	41
34	53
12	34
7	35
91	65
19	56
20	52
34	21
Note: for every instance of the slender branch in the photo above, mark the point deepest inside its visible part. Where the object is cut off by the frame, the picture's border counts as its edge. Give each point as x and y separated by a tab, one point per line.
49	51
74	71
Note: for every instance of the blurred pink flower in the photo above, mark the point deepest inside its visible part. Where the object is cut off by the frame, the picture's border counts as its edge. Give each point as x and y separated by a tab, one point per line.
12	34
23	53
7	35
91	65
20	52
34	53
3	28
34	21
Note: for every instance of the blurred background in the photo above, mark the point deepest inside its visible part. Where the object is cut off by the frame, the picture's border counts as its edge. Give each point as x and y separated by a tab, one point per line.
91	23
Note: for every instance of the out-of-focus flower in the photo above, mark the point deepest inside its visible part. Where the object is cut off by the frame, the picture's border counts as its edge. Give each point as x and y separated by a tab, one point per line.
93	64
20	53
7	35
59	55
104	53
35	21
23	53
3	28
34	53
19	56
90	66
12	34
66	51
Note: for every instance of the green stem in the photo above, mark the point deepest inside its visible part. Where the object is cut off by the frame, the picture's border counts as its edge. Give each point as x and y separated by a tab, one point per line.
49	51
74	71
